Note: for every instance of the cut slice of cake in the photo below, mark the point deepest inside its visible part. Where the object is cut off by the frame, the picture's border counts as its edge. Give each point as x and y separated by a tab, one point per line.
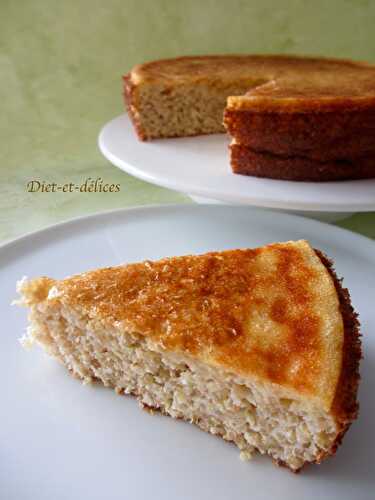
302	108
259	346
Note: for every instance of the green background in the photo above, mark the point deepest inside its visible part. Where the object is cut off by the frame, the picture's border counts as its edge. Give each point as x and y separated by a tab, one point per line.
60	80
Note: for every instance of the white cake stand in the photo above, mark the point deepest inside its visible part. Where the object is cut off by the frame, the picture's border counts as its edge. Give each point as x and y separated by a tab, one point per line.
199	167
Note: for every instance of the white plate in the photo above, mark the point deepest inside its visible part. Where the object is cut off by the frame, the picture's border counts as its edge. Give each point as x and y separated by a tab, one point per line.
62	440
200	166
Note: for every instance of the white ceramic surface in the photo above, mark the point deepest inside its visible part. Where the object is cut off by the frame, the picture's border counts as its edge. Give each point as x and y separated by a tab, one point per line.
322	216
62	440
200	166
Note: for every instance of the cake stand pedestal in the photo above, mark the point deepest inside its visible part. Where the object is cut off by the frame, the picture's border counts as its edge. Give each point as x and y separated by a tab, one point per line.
312	214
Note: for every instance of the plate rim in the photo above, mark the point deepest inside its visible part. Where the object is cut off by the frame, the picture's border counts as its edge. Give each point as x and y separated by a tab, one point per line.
346	233
166	183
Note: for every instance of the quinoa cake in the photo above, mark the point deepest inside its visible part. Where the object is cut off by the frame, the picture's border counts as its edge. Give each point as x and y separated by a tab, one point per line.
259	346
282	107
246	161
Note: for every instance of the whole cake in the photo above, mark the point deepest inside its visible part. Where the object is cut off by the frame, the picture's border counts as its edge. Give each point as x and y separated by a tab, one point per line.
259	346
296	118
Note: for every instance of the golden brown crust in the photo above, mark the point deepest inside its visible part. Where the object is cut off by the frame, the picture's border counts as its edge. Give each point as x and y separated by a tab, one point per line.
319	136
283	103
273	76
246	161
217	306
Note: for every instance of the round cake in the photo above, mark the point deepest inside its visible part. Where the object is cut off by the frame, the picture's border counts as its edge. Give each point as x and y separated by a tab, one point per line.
293	118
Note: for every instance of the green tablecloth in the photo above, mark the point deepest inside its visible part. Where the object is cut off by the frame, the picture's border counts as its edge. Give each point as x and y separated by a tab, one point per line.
60	80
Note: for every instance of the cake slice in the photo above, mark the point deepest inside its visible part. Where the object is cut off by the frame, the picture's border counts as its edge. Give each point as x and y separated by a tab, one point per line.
317	113
259	346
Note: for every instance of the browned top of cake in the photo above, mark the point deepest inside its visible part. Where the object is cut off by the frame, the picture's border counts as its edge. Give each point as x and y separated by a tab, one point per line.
275	82
270	312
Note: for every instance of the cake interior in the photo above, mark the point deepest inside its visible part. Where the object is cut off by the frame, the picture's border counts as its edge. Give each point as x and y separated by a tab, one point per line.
255	415
184	110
